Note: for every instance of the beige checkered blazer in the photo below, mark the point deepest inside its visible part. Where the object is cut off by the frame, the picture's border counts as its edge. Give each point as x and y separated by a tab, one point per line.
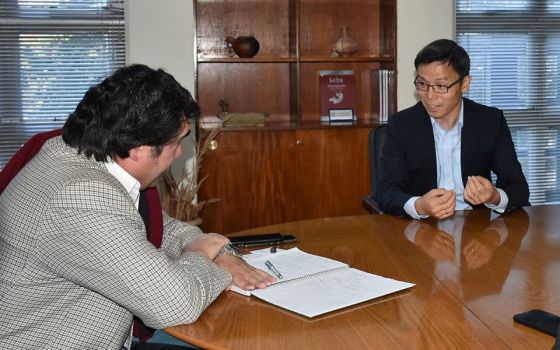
75	264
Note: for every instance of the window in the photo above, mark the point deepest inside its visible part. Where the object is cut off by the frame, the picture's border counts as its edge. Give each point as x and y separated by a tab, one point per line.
514	47
51	52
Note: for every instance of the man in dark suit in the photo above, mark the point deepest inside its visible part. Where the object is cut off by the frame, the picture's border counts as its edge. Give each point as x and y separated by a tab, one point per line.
438	155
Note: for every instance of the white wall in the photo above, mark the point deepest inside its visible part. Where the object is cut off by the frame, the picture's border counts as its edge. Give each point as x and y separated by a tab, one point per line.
418	23
160	34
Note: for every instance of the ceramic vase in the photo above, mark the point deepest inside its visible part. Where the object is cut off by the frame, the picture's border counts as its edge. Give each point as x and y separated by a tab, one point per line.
345	45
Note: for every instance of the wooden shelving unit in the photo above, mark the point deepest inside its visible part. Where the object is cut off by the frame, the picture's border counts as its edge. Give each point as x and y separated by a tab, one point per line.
295	39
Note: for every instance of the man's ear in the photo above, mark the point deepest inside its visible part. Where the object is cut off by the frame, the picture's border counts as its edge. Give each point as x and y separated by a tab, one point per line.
137	153
466	84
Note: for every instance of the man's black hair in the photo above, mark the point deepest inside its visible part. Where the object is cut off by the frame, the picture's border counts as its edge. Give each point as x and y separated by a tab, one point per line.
135	106
446	51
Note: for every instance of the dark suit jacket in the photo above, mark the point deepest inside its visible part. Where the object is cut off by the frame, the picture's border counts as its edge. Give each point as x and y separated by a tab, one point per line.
408	160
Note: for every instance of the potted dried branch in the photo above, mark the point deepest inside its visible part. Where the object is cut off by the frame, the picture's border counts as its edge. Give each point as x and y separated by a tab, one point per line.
179	195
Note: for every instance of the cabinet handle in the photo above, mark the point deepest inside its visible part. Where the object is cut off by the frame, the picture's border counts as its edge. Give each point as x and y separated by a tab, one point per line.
299	142
213	145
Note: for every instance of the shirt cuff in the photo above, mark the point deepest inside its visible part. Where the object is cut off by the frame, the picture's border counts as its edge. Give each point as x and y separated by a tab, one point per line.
501	207
411	210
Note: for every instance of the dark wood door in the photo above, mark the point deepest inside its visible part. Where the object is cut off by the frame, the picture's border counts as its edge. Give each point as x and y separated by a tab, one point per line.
332	172
252	172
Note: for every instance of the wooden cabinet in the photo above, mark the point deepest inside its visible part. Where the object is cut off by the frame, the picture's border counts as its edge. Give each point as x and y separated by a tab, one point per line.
269	176
295	167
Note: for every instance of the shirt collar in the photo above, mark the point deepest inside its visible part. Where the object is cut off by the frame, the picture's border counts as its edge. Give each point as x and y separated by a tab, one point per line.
459	124
131	185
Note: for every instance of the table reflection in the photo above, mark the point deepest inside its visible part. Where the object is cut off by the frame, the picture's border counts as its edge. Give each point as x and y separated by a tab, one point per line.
472	251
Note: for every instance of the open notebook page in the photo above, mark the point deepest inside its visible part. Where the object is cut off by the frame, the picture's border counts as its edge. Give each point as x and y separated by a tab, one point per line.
292	263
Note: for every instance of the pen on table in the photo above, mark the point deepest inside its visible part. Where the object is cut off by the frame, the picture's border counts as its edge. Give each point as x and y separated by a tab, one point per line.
273	269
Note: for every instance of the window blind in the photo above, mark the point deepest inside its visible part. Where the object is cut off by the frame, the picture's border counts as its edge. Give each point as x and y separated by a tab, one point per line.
514	47
51	52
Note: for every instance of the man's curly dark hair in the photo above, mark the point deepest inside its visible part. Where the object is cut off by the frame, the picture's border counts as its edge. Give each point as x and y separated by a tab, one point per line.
135	106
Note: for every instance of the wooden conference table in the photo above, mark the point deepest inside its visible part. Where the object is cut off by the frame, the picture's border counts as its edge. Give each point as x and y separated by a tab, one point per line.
472	274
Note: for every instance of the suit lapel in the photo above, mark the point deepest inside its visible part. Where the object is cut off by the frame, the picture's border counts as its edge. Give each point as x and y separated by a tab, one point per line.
469	140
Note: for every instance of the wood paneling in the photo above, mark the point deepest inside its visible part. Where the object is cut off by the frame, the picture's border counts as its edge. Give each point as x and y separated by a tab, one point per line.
252	173
273	176
332	171
263	88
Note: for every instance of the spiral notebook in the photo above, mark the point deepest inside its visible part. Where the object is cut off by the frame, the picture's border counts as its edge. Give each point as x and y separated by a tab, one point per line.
313	285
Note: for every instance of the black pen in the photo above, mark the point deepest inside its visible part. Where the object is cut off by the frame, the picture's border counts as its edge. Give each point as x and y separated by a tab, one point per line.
273	269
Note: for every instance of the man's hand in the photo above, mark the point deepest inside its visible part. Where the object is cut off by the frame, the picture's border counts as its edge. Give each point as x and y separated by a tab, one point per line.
439	203
244	275
479	191
208	245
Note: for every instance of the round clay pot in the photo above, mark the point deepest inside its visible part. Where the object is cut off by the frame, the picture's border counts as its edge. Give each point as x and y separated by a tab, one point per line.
244	46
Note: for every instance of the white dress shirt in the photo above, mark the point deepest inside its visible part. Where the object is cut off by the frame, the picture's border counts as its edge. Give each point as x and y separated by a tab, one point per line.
131	185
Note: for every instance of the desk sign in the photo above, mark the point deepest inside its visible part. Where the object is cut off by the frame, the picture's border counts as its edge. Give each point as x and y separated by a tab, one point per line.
341	115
